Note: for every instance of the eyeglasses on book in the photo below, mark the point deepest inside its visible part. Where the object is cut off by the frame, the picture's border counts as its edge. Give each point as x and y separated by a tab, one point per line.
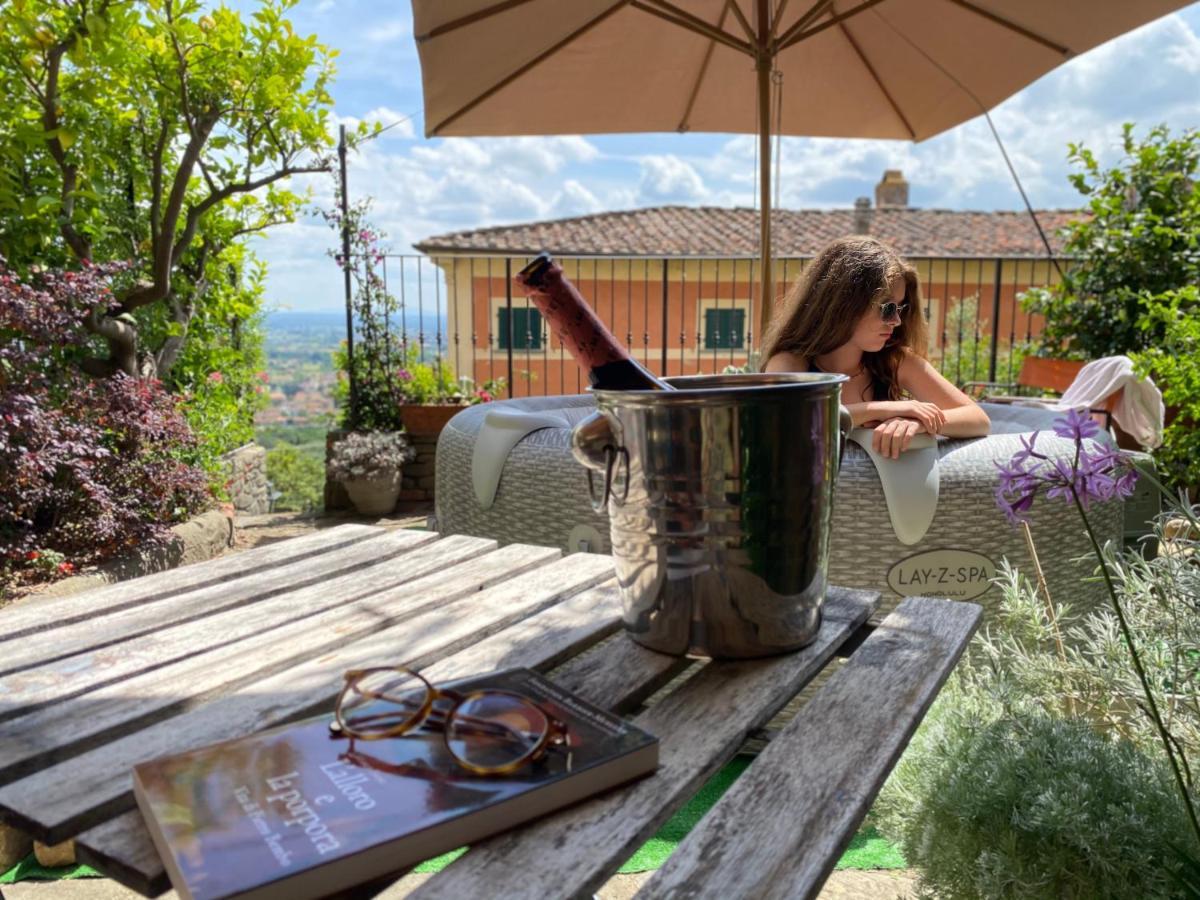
488	732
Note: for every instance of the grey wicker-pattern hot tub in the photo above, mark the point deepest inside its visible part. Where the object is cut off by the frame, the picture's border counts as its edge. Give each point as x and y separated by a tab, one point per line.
542	498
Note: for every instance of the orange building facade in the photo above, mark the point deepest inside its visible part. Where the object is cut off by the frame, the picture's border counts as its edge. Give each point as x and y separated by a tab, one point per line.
658	280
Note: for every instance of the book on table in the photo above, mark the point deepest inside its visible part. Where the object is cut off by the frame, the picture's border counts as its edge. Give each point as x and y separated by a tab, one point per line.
301	811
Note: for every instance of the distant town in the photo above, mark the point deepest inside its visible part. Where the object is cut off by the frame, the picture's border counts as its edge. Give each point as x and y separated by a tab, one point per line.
300	349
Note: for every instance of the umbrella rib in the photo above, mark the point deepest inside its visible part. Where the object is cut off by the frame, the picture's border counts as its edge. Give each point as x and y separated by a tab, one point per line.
741	17
687	112
677	16
1013	26
836	20
513	76
800	24
476	16
779	10
878	81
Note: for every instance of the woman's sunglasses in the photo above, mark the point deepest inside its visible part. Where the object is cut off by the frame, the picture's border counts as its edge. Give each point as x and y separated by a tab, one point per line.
891	310
488	732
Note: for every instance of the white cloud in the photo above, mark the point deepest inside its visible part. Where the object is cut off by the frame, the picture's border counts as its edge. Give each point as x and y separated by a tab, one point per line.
576	200
670	179
389	31
325	6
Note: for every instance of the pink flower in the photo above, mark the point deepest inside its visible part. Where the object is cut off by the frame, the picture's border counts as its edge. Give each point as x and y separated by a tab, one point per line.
66	568
216	378
262	376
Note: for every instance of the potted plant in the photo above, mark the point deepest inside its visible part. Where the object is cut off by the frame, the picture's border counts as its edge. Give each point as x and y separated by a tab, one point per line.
368	465
431	396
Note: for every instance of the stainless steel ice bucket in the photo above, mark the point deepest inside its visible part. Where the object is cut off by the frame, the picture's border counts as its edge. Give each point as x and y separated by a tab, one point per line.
720	499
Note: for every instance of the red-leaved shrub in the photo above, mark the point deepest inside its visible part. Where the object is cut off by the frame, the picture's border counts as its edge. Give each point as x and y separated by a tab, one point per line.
89	468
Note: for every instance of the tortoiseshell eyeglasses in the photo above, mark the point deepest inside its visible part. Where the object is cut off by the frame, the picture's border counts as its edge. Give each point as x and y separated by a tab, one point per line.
488	732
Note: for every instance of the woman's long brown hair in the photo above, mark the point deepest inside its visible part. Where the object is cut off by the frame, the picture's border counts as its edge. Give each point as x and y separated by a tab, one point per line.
847	280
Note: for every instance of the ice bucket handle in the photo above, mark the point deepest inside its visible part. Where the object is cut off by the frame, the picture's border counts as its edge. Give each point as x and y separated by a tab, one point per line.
594	442
845	426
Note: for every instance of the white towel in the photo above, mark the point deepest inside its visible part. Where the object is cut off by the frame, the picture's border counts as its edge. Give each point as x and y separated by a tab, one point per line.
1139	411
910	483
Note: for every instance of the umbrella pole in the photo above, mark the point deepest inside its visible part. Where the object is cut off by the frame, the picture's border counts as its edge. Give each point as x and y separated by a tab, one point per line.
763	67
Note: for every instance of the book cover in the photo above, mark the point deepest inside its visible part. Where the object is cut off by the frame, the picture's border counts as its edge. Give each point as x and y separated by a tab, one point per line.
301	812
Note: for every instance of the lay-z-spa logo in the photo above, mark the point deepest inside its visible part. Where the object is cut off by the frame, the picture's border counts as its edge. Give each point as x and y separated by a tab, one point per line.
956	574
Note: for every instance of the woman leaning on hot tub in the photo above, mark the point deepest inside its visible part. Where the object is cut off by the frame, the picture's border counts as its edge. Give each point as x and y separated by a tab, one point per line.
857	310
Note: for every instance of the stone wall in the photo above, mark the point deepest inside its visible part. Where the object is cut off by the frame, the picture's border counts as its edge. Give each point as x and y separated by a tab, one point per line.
416	477
199	538
248	487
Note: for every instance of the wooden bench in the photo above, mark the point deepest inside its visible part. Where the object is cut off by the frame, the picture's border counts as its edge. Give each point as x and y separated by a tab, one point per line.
92	684
1039	376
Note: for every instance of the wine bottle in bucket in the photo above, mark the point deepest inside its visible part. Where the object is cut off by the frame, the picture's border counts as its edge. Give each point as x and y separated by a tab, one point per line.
609	365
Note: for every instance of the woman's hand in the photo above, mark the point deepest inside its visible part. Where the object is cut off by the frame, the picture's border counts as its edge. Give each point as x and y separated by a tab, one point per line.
893	436
931	416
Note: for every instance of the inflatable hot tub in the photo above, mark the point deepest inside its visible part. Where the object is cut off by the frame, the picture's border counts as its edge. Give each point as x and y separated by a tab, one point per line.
505	471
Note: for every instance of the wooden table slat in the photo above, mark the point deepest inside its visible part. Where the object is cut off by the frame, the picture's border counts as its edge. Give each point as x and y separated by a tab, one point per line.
35	615
778	831
181	608
24	691
619	675
53	733
122	849
700	726
62	800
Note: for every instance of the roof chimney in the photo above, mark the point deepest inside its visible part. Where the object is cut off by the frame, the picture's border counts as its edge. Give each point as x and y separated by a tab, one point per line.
862	215
892	189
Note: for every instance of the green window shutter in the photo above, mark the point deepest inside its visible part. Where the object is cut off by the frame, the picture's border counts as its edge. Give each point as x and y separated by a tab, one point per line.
526	328
736	332
724	329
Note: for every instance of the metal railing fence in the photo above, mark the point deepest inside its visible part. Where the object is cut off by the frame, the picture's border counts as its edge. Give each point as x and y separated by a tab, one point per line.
676	315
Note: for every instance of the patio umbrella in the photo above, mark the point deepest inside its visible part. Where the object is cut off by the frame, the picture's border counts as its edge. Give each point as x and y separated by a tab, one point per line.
905	69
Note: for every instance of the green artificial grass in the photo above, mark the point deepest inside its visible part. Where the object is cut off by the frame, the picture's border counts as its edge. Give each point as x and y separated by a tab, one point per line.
29	869
868	850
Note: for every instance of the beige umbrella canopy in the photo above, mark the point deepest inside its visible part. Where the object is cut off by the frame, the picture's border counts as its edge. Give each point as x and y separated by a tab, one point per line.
905	69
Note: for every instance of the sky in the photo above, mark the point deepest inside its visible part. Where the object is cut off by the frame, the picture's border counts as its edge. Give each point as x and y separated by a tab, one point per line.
426	187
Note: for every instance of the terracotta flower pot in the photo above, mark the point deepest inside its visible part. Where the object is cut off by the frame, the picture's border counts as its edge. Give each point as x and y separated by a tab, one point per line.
427	419
374	496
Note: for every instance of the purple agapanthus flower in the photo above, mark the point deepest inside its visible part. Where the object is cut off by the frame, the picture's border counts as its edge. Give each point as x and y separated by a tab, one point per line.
1076	425
1097	471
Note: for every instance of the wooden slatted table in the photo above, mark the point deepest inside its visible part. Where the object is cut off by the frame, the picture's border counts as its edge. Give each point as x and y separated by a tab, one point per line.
92	684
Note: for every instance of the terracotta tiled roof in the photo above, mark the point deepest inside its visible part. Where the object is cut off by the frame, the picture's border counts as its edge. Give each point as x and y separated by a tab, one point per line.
717	231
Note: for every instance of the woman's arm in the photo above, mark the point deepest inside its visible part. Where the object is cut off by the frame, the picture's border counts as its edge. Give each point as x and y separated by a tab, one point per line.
870	412
964	417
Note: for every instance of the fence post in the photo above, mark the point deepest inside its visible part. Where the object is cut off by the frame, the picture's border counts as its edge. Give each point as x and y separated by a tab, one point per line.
995	321
509	318
664	318
352	417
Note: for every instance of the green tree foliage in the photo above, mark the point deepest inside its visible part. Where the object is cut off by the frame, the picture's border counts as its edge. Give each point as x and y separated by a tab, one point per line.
154	131
299	478
967	355
1140	240
161	132
1174	364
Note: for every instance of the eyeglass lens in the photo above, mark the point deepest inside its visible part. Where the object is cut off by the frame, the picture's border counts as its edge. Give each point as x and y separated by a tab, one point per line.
383	700
491	730
891	309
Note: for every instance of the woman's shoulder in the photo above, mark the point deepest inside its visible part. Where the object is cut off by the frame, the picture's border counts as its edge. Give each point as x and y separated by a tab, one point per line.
786	361
911	361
